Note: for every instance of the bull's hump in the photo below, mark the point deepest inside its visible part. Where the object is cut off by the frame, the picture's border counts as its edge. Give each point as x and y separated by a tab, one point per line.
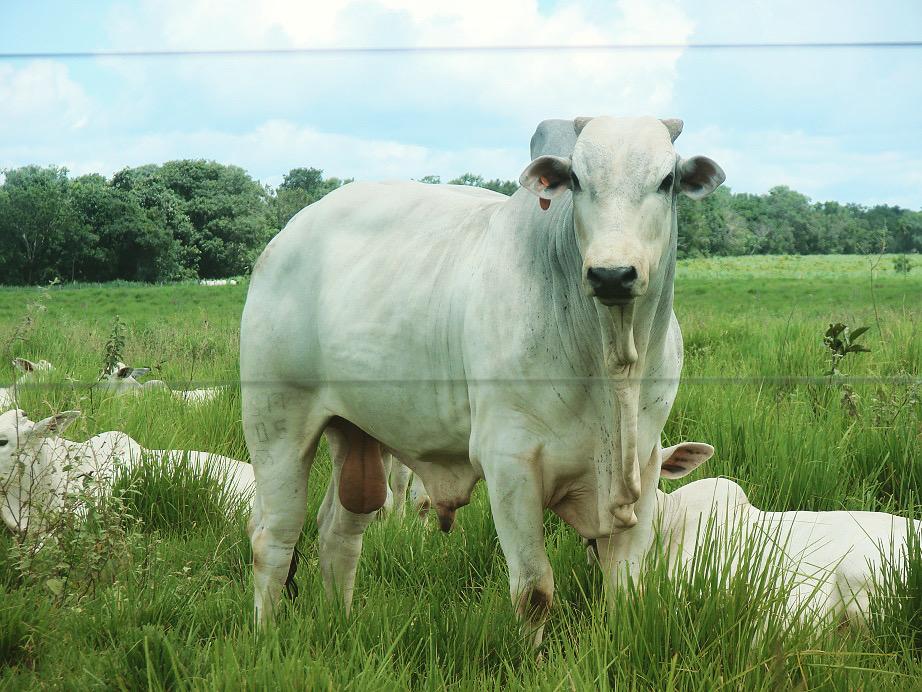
389	195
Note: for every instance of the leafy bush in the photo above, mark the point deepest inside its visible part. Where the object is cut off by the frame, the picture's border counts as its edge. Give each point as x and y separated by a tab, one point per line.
902	264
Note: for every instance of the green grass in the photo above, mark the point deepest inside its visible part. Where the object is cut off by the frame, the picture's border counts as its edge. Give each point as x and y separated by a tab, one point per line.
432	610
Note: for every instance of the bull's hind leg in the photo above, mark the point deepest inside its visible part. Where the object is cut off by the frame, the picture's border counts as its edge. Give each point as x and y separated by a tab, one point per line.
282	429
398	481
358	490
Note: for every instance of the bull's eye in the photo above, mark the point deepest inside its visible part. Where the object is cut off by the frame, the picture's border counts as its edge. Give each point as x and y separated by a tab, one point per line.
575	181
666	185
4	443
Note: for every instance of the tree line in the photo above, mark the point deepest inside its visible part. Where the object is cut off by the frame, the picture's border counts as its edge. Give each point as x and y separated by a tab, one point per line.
193	219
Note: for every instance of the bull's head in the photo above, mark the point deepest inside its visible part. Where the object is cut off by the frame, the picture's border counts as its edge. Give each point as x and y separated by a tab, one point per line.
624	174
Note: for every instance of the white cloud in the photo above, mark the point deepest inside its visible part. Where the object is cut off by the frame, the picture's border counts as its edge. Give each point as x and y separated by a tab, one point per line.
41	96
519	87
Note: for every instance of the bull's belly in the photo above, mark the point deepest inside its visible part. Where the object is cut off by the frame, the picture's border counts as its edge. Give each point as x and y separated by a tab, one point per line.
416	420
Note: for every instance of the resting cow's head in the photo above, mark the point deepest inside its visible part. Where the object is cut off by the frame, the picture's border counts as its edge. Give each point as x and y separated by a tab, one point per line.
18	434
121	377
624	174
25	366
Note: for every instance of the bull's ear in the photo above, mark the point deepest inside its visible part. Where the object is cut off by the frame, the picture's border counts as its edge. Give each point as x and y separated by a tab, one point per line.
547	177
139	372
681	459
56	424
699	176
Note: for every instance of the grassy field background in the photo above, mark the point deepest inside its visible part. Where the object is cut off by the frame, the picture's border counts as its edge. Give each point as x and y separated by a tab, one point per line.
169	605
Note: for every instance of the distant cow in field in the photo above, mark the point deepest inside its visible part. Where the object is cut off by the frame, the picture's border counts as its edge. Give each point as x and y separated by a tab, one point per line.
830	560
39	468
123	379
218	282
528	341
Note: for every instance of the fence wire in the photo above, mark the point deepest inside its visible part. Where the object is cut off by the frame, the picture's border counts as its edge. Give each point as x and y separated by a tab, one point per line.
448	49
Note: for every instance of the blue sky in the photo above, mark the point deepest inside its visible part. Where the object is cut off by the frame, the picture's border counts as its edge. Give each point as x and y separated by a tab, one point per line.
836	124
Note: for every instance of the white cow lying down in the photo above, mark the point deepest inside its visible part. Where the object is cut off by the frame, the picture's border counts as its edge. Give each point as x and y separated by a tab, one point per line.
27	372
122	379
831	557
38	469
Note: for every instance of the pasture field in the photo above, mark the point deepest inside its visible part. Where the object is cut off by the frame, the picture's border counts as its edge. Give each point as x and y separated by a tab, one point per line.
162	598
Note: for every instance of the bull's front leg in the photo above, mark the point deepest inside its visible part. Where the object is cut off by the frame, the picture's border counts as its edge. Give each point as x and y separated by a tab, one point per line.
516	500
621	555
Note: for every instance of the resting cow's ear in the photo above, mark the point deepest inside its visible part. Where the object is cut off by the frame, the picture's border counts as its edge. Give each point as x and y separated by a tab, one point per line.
699	176
55	424
23	365
681	459
547	177
139	372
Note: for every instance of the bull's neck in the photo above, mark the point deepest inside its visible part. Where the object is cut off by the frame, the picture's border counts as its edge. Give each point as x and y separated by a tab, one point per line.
580	320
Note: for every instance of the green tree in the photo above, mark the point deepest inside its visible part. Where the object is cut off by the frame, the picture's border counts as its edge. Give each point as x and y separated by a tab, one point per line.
130	243
36	225
507	187
300	187
228	210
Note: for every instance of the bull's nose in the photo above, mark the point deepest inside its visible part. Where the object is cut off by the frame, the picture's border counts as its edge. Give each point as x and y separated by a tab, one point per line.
612	284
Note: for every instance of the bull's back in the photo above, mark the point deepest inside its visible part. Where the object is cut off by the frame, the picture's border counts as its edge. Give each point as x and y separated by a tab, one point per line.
361	298
366	270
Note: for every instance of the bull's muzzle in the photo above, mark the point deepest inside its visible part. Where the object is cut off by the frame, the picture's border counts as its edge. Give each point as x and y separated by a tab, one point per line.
613	285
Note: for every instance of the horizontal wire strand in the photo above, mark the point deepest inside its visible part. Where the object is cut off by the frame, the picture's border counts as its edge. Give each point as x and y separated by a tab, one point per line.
397	50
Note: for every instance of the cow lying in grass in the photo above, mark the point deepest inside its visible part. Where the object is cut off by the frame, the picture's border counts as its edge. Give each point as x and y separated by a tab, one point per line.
123	379
39	470
27	372
833	560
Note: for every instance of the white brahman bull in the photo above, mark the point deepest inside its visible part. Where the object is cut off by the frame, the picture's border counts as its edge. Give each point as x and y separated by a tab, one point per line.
27	372
527	340
122	379
38	468
831	560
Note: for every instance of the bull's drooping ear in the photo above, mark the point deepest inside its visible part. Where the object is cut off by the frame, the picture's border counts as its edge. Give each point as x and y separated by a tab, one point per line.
23	365
674	125
681	459
55	424
699	176
547	177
